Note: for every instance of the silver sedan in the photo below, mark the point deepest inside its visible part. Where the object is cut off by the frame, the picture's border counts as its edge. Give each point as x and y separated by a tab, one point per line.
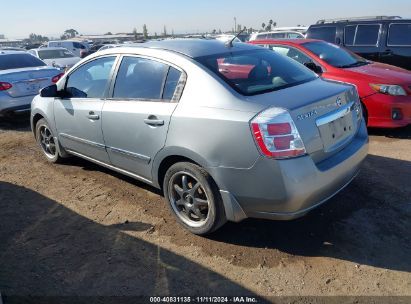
225	131
21	78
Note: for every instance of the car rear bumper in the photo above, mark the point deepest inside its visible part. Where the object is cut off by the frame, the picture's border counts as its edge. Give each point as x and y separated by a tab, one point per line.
287	189
9	105
382	107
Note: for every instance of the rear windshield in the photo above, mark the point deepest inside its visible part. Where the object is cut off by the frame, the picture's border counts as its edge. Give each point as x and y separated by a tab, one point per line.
52	54
334	55
257	71
18	61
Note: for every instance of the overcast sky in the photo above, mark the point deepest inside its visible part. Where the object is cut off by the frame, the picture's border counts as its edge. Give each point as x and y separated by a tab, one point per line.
19	18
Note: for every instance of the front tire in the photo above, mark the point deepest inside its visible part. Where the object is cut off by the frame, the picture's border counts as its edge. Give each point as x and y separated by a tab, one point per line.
47	142
194	198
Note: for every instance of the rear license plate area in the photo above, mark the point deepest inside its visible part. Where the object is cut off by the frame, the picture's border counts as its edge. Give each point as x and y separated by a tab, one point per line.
335	133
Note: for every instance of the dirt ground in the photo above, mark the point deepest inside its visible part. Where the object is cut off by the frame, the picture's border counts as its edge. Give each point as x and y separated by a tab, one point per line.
80	230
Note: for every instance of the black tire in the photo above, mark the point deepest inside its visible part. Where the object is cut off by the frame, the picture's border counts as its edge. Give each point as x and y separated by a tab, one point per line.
206	190
47	142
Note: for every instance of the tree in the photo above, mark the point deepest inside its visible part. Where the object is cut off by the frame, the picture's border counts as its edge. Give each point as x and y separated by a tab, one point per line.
214	31
239	29
33	38
145	31
165	31
263	25
219	31
70	33
135	33
108	33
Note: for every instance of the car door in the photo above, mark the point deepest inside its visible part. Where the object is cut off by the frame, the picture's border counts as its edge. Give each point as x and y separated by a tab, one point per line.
78	115
398	47
137	116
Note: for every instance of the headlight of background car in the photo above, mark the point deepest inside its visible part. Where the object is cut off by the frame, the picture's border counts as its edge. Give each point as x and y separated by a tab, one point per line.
394	90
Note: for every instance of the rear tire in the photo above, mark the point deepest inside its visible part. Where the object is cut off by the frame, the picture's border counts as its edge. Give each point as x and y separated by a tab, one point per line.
47	142
194	198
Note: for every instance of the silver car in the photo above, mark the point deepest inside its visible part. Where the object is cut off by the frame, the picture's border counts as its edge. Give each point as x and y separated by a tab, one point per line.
226	131
58	57
21	78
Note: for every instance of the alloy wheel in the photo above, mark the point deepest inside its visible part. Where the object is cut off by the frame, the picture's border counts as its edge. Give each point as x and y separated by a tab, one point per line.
188	199
47	141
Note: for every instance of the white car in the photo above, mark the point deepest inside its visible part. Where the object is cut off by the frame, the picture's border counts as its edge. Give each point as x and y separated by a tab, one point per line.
108	46
277	35
227	38
77	48
60	58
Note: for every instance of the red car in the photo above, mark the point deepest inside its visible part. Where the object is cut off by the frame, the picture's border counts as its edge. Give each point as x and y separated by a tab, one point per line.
385	90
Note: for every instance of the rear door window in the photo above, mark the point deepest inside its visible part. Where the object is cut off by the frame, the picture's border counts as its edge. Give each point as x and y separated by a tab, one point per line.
367	35
327	33
140	78
399	34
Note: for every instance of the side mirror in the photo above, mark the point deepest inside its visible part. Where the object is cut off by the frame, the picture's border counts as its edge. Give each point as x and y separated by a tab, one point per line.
50	91
313	67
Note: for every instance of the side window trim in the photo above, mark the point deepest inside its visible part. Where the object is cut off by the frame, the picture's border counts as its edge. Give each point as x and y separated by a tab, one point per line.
355	35
110	79
182	80
389	32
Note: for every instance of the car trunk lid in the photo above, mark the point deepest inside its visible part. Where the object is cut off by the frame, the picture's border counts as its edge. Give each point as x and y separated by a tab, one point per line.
324	113
26	82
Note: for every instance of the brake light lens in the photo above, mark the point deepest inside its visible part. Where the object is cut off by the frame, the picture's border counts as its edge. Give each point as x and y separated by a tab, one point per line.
55	79
276	134
4	86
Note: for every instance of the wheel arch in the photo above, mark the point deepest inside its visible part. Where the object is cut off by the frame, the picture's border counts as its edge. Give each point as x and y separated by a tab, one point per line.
170	156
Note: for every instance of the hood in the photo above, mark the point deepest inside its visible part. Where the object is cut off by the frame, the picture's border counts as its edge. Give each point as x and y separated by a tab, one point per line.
63	62
384	73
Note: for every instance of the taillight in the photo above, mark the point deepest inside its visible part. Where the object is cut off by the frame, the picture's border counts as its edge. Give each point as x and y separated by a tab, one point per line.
4	86
55	79
276	134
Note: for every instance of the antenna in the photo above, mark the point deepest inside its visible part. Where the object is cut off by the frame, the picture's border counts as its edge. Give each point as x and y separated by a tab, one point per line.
230	43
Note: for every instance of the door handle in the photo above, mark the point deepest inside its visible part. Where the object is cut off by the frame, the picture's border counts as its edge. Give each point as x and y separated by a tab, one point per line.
91	115
153	121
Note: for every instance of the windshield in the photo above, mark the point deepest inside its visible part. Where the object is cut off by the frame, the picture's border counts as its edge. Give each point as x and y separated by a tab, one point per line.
52	54
18	61
257	71
335	55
